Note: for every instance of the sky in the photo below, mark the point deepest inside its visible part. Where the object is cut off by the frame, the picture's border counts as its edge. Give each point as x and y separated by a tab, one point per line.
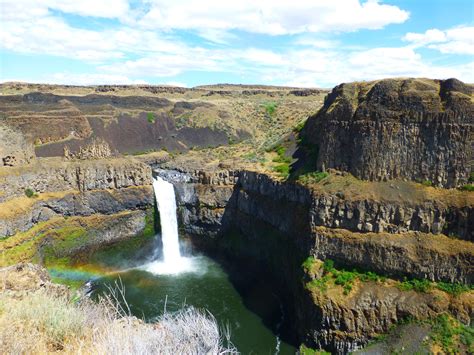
307	43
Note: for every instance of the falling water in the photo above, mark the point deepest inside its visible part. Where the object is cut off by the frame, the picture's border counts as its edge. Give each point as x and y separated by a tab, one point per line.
172	262
166	201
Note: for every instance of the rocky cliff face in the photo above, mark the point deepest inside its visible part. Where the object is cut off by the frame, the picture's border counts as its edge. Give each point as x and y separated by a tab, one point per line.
415	129
274	226
14	148
107	200
58	175
73	203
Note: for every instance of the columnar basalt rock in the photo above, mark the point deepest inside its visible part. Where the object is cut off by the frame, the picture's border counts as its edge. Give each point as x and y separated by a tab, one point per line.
58	175
74	203
14	148
416	129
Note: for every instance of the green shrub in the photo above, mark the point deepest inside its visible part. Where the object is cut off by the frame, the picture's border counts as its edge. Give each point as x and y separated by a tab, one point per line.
427	183
371	276
471	177
150	117
308	263
284	167
467	187
299	126
313	177
270	108
319	284
308	351
453	288
30	193
446	331
345	279
328	265
283	170
415	285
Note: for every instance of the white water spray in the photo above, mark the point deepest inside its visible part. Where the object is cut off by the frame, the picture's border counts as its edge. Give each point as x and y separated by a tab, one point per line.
166	201
173	262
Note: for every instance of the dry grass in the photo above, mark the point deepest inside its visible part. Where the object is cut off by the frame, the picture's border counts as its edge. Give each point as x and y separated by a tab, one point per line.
47	321
21	205
391	191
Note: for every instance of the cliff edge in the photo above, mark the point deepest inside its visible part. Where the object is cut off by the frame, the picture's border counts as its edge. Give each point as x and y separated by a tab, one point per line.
415	129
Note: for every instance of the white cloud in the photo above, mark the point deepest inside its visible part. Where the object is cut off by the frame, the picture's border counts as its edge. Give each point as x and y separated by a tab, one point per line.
319	68
26	9
458	40
274	17
51	35
44	33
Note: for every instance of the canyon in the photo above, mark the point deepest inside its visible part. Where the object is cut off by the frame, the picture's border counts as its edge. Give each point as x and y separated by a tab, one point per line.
378	188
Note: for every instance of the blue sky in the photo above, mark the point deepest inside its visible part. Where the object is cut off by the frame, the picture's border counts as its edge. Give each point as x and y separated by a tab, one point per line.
312	43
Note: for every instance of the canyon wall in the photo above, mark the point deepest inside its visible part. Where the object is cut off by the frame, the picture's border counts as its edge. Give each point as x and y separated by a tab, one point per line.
270	226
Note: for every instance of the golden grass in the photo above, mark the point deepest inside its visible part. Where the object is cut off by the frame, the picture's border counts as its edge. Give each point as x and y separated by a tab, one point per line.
47	321
391	191
23	204
438	243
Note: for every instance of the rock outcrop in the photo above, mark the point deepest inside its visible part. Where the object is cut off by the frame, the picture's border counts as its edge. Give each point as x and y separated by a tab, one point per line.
107	200
96	149
58	175
72	203
14	148
416	129
342	322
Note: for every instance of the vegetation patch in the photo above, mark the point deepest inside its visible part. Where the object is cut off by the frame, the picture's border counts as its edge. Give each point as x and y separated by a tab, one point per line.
253	157
304	350
452	336
270	108
50	321
467	187
427	183
313	177
299	127
341	277
283	161
346	279
454	289
415	285
150	117
30	193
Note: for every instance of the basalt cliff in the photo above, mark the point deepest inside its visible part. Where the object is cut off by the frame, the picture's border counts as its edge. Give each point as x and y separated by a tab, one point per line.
361	215
410	129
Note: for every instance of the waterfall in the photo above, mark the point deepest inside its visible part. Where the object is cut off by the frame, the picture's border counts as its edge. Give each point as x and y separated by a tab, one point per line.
173	262
166	201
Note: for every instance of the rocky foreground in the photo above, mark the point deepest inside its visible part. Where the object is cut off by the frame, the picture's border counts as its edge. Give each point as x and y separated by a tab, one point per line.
362	218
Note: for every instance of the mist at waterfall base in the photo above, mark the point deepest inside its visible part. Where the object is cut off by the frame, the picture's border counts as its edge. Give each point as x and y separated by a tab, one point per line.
165	278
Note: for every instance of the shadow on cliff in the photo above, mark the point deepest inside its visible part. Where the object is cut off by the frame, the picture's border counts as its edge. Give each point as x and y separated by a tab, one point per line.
250	261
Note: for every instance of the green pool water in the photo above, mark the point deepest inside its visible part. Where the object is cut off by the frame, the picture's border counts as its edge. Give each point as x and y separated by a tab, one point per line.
207	287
